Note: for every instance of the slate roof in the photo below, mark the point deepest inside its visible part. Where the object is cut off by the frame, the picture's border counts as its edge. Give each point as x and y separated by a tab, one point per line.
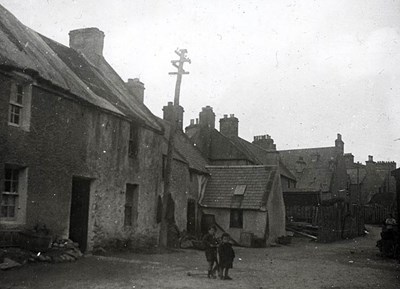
259	181
185	150
235	148
23	49
263	156
193	156
224	148
318	172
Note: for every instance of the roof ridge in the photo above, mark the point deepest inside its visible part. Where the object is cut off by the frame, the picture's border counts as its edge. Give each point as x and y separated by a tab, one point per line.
242	166
303	149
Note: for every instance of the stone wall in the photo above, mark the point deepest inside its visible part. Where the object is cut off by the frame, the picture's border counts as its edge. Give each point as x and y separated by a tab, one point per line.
69	139
253	221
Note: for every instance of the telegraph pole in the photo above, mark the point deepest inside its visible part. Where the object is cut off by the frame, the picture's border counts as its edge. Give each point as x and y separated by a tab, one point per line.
163	241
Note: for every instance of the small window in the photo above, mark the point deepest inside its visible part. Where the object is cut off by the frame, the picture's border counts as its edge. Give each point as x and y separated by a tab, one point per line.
239	190
131	205
236	219
133	141
19	106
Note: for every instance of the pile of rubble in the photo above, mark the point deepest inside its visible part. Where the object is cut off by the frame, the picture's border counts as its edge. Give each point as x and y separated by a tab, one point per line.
62	250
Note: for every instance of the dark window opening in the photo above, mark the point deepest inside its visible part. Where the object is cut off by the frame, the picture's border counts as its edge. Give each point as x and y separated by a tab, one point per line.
159	209
133	141
164	166
236	219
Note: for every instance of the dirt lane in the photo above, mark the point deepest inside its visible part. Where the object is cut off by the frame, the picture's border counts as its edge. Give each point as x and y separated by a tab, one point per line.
346	264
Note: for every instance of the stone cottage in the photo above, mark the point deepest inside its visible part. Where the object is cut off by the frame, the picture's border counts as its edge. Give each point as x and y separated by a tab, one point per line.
79	151
245	200
229	157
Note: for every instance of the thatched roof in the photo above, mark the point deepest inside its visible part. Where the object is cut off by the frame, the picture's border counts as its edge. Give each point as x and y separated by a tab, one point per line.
23	49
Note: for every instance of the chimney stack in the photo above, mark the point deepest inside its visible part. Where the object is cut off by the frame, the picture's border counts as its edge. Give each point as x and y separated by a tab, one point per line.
88	41
339	144
265	142
207	117
136	88
370	164
229	126
169	114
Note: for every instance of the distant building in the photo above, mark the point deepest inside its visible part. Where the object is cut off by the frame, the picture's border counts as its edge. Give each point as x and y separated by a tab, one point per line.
320	176
371	183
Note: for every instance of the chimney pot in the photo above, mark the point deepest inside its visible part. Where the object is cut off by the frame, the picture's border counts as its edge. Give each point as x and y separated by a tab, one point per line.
225	116
192	122
197	121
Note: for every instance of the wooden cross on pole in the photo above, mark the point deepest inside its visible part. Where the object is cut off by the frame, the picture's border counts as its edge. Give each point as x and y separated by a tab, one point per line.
163	239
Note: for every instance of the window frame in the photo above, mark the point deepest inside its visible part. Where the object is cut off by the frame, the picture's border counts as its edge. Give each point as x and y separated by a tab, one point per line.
19	104
12	192
21	195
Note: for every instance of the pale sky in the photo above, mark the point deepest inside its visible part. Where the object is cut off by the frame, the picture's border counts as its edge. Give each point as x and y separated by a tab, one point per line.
300	71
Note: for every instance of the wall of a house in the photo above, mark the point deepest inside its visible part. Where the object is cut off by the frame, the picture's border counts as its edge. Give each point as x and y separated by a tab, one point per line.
67	139
254	221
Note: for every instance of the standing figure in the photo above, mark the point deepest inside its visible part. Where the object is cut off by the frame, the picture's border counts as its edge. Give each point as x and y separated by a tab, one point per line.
226	256
211	245
390	222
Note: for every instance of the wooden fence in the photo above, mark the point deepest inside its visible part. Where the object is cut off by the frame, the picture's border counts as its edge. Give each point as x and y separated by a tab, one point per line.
375	214
339	220
335	219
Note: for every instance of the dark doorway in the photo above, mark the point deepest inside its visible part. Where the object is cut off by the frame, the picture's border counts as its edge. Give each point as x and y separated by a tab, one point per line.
131	205
79	216
191	217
